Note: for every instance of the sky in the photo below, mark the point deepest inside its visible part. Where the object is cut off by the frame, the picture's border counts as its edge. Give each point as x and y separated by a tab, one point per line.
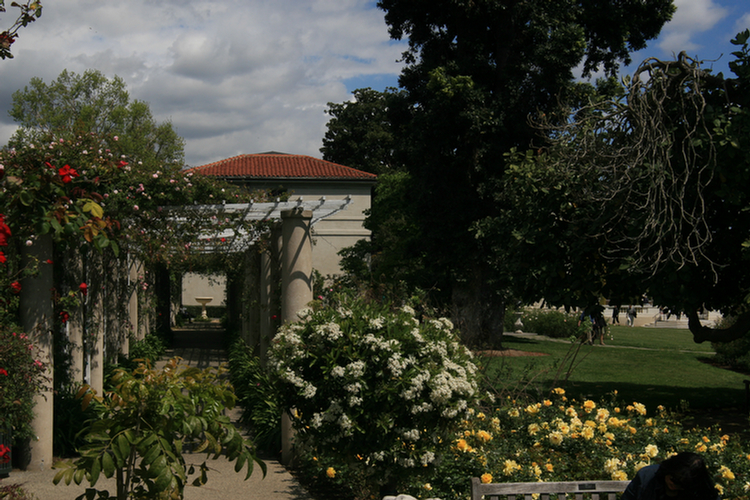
249	76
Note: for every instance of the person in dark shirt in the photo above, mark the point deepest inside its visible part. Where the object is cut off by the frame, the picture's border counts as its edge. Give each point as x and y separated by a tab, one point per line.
682	476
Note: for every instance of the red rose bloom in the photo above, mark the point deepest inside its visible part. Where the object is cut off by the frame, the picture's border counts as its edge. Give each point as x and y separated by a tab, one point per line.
3	371
4	232
67	174
83	288
16	287
64	316
3	259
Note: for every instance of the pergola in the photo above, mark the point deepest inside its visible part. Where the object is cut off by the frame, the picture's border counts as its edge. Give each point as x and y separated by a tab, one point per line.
291	245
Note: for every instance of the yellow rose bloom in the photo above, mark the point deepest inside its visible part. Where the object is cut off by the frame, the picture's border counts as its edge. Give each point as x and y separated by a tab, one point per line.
547	402
510	467
551	468
427	486
726	473
641	409
640	465
555	437
331	472
588	406
559	391
462	445
513	412
719	488
587	433
652	450
481	416
602	414
533	429
486	478
619	475
484	436
701	448
611	465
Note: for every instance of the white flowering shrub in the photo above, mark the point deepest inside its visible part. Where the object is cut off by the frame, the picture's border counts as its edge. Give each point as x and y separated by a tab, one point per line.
377	391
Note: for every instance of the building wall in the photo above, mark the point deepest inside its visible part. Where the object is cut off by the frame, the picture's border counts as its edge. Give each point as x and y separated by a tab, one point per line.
198	285
329	235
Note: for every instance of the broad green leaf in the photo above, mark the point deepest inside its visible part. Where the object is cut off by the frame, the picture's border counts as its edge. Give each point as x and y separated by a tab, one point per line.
108	465
94	209
94	471
164	480
150	455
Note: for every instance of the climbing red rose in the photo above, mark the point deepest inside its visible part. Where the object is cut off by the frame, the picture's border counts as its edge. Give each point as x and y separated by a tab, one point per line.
64	317
3	259
4	232
16	287
84	289
67	174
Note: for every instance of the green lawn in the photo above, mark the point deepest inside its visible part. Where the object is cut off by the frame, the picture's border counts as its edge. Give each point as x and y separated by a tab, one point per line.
649	365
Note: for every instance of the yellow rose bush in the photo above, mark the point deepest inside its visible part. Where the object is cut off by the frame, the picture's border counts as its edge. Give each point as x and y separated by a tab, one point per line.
575	440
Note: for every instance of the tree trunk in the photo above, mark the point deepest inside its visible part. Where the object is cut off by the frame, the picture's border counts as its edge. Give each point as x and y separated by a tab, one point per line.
703	333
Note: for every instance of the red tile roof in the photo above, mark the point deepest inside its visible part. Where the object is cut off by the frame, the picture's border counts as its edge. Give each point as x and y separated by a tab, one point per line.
281	165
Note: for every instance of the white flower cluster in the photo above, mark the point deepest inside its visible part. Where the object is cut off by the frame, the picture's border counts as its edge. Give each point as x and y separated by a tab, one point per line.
410	435
377	373
329	331
355	369
377	323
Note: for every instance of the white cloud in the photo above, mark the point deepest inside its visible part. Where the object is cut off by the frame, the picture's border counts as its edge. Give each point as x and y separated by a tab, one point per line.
691	18
742	23
233	76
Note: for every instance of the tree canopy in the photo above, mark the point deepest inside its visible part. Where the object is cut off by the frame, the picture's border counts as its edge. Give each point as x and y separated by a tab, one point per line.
91	103
647	192
476	70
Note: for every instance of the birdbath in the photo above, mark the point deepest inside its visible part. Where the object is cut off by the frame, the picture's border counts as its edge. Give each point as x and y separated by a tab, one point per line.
203	301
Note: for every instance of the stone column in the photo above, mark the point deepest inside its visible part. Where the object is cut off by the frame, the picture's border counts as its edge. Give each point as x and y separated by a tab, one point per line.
296	291
269	292
296	263
74	329
36	311
95	330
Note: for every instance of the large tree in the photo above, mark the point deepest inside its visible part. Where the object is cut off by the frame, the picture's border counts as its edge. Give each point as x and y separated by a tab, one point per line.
475	72
91	103
647	191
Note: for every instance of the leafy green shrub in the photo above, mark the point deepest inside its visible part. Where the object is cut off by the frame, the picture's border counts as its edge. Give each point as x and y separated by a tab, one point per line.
257	395
142	427
150	348
375	390
22	376
69	421
735	354
555	324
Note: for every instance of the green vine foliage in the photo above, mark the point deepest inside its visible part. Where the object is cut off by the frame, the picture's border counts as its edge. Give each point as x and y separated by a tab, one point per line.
374	389
143	427
21	377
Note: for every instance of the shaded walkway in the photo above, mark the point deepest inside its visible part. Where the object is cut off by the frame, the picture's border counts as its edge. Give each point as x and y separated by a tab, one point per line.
200	345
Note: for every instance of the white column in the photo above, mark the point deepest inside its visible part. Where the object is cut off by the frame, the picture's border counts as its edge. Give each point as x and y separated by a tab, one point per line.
296	291
36	310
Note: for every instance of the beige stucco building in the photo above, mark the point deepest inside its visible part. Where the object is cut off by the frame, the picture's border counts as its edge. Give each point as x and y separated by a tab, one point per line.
301	176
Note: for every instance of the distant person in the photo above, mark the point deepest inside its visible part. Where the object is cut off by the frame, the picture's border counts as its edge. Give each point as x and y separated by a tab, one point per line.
616	315
682	476
632	314
598	324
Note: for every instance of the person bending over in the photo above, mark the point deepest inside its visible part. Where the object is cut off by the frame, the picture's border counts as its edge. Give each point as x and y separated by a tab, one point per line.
682	476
